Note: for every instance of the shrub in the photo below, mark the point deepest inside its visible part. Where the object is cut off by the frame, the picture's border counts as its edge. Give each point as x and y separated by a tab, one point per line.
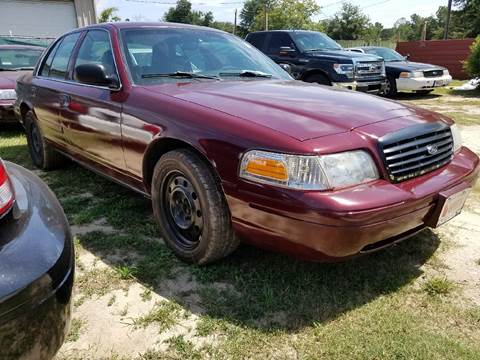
472	65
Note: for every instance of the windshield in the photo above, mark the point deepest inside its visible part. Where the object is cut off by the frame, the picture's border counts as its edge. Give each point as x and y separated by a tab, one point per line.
18	59
308	41
169	55
386	53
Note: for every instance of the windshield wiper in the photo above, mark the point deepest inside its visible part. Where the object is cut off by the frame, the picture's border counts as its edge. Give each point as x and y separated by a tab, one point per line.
247	73
180	74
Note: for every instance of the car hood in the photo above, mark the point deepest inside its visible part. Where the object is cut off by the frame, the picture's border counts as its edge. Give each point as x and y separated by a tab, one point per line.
297	109
344	54
8	79
410	66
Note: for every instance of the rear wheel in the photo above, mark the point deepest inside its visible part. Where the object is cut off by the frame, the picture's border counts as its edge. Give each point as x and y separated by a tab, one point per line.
390	87
190	208
319	79
43	155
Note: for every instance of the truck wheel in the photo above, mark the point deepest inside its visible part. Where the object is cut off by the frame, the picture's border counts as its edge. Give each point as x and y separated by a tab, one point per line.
43	155
390	87
190	208
319	79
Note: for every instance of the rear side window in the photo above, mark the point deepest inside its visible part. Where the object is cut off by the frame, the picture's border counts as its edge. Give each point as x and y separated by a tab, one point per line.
278	40
257	40
48	62
96	49
61	58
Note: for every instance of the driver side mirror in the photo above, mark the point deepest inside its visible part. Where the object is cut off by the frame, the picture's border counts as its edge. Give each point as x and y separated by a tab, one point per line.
95	74
287	51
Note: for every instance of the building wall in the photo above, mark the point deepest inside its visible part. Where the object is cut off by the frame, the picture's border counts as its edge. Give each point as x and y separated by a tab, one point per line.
44	18
86	12
448	53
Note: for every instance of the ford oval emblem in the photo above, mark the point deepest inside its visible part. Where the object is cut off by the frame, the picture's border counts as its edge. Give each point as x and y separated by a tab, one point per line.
432	149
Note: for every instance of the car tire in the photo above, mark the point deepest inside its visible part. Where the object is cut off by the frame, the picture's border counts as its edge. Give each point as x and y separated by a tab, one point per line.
319	79
390	87
191	209
43	155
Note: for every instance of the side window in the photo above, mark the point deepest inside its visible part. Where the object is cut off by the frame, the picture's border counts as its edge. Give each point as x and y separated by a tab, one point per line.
48	62
257	40
95	49
278	40
60	61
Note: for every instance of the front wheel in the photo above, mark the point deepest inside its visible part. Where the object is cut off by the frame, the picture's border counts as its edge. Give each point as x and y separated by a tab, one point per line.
190	208
319	79
390	87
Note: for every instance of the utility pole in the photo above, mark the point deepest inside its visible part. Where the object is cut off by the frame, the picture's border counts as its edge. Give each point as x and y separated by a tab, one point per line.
447	24
235	23
424	31
265	13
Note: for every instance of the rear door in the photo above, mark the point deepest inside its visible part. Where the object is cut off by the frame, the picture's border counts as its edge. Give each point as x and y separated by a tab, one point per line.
47	88
92	114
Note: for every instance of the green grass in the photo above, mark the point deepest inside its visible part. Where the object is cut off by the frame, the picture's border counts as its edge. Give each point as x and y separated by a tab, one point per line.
264	305
164	315
75	330
438	286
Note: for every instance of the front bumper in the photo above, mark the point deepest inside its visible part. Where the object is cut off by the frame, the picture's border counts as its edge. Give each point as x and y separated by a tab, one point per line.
374	87
7	113
37	271
422	83
340	224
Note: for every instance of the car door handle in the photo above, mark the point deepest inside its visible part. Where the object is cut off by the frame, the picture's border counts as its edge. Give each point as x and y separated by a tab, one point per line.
64	101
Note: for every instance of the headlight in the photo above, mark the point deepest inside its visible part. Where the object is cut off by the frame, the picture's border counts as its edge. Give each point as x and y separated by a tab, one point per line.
8	94
345	69
411	74
309	172
457	139
446	72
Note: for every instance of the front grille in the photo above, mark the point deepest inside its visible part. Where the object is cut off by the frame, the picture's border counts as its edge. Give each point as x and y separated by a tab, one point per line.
416	150
369	69
433	73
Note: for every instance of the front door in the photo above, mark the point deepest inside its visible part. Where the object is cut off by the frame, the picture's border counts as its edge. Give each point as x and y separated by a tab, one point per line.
91	115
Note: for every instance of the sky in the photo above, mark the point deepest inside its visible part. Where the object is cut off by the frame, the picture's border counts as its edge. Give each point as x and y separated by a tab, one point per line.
383	11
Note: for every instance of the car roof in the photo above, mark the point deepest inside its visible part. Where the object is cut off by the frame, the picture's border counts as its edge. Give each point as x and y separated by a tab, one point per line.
21	47
285	31
140	25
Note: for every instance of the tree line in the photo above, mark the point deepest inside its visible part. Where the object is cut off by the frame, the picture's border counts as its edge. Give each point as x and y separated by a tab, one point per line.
349	23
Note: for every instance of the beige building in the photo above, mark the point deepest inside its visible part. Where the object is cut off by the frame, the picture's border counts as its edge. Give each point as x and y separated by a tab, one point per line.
45	18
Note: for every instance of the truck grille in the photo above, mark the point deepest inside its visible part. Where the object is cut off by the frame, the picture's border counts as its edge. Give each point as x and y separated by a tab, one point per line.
433	73
367	70
416	150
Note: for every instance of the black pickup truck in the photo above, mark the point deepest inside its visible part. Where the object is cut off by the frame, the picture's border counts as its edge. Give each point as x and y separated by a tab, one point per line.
314	57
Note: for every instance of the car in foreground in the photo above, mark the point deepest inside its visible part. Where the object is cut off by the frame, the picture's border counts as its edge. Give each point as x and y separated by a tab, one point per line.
36	267
15	60
314	57
404	75
229	146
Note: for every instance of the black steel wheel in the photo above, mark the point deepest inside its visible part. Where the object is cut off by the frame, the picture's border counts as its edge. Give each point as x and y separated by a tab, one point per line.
191	209
43	155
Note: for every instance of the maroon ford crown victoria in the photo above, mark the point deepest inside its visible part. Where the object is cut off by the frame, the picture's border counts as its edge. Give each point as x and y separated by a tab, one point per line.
15	60
228	146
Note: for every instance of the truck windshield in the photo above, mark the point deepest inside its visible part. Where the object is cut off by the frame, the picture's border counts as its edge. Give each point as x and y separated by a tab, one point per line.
387	54
180	54
18	59
313	41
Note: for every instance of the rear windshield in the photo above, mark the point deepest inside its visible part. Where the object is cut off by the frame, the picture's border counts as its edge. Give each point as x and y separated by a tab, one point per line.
160	51
18	59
